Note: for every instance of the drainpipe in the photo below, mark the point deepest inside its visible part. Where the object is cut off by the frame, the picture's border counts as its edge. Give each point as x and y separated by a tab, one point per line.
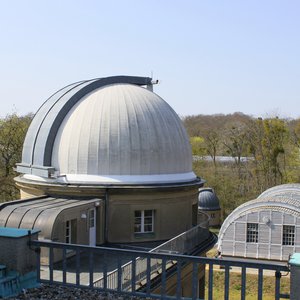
106	216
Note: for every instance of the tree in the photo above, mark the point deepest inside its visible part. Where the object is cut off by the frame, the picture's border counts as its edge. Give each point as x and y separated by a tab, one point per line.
268	142
271	146
295	133
235	143
212	141
294	159
198	147
12	133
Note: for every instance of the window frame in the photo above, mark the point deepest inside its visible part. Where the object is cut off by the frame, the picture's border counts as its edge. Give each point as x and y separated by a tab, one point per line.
68	232
91	215
288	235
141	225
252	233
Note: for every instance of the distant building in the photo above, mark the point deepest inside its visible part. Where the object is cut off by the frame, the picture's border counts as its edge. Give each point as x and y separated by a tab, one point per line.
265	228
209	203
223	159
106	161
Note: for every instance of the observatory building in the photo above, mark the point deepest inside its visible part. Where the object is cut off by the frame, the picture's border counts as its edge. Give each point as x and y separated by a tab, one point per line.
265	228
209	203
108	162
105	161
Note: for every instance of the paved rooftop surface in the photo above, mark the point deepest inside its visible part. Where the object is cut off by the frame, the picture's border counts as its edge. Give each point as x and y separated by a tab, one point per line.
99	262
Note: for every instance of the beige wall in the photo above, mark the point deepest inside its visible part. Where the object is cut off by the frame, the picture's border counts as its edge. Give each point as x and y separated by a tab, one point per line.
31	189
82	228
215	217
58	232
172	214
173	206
29	193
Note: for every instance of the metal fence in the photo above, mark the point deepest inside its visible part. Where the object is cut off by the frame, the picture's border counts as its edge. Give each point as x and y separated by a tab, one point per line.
184	243
136	279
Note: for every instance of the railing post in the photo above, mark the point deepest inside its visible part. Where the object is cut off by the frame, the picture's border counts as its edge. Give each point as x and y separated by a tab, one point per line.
295	276
38	263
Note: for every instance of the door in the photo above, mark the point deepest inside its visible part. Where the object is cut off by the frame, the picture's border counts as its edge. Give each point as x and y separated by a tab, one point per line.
92	227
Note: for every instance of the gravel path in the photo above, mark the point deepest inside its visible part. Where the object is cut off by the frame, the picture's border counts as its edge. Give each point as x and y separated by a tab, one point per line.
67	293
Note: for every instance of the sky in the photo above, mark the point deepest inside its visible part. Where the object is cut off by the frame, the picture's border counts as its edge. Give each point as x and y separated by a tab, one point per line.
211	57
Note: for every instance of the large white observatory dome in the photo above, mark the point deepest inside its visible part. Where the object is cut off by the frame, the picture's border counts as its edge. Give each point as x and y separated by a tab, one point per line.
109	130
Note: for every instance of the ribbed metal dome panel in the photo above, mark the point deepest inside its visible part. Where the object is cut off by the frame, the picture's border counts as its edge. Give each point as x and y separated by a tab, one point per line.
38	132
122	129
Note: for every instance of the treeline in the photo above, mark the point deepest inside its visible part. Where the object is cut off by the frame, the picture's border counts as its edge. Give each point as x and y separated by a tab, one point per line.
13	129
264	152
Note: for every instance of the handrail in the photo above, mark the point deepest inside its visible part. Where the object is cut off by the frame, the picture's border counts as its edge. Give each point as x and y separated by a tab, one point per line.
194	259
132	286
183	243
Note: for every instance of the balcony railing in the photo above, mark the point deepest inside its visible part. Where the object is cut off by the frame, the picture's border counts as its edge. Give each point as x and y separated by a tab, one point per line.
185	243
144	271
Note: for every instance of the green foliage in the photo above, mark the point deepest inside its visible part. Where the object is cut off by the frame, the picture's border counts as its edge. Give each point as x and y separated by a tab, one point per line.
265	153
269	144
272	147
198	147
12	133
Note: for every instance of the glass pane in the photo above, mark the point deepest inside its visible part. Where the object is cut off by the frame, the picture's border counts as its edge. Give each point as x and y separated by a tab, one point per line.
148	213
148	220
137	213
92	218
252	232
92	214
148	228
137	228
138	221
288	235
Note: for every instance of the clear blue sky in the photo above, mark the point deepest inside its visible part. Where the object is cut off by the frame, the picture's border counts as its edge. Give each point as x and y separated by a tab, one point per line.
211	56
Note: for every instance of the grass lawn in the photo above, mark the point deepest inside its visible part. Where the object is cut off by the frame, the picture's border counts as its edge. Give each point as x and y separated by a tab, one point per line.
235	283
251	286
214	230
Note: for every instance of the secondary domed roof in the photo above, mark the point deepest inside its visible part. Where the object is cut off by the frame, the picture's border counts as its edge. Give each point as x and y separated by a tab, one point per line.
288	189
109	130
208	200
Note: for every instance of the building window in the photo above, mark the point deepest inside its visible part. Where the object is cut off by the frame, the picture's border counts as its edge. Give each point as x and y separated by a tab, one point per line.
288	235
71	231
143	221
252	232
68	232
91	218
212	215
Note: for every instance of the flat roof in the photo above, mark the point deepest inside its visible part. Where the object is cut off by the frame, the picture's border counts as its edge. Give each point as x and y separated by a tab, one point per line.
16	232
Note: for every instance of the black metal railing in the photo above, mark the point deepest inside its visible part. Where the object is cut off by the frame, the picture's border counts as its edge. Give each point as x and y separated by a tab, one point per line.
184	243
90	263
